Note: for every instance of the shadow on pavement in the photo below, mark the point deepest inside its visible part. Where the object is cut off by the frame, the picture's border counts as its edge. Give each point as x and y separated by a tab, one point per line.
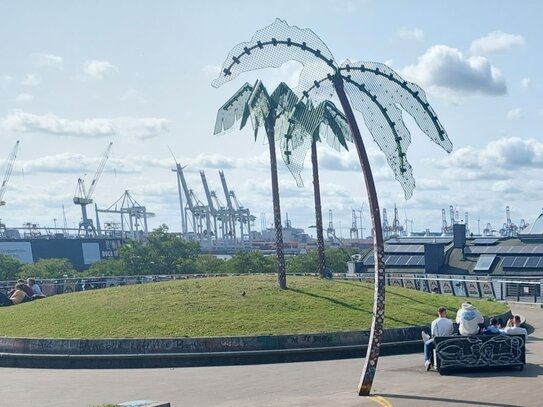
530	370
451	402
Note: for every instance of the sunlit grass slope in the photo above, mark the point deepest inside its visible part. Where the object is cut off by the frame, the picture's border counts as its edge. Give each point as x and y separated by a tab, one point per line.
248	305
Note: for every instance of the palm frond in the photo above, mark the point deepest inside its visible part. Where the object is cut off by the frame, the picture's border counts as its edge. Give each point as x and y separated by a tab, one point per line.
391	90
388	131
229	113
276	44
259	106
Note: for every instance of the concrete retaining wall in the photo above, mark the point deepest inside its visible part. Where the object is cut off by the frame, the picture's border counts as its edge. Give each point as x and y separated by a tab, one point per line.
172	352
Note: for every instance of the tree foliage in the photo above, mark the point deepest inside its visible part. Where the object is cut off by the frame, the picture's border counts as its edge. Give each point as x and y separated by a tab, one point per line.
250	262
47	268
9	267
158	254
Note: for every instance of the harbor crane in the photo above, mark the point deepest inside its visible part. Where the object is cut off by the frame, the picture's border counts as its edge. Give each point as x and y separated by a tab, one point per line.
7	175
133	222
83	197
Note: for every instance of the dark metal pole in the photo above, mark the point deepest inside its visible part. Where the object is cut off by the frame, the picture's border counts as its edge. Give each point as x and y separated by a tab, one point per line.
318	211
376	333
281	270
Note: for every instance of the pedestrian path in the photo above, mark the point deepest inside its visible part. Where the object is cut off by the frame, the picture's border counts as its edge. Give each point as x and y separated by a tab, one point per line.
400	381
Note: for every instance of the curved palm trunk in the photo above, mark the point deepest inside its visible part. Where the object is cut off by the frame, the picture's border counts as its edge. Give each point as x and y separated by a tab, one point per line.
318	211
281	271
376	333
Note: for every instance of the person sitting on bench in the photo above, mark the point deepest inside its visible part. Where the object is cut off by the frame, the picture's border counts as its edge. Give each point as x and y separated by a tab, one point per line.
513	327
468	319
493	328
441	326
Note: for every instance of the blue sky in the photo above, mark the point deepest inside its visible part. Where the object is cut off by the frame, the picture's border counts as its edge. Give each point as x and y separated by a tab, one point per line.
76	75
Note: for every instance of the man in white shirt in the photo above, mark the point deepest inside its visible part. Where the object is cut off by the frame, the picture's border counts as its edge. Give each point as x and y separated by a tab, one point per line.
513	327
441	326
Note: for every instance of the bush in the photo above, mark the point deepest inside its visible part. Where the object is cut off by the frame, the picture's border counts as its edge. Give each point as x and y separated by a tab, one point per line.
9	267
250	262
47	268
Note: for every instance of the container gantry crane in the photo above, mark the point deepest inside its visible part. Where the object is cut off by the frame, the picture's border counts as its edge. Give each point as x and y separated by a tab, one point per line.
83	197
9	169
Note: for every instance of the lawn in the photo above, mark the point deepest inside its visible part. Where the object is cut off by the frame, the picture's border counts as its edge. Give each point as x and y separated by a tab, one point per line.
223	306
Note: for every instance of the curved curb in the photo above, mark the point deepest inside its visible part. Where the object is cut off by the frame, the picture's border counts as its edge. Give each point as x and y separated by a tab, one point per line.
207	351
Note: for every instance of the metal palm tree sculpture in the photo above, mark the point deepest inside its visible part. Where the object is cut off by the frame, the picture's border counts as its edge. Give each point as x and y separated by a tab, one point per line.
377	92
270	112
309	125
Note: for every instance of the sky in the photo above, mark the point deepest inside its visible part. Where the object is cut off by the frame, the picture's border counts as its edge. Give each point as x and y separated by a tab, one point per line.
77	75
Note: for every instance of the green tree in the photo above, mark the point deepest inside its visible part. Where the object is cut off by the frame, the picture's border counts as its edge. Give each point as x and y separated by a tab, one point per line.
337	258
206	264
250	262
158	254
9	267
303	263
48	268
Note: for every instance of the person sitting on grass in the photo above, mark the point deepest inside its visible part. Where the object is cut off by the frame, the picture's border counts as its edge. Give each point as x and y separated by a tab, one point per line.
4	300
36	290
18	296
441	326
23	286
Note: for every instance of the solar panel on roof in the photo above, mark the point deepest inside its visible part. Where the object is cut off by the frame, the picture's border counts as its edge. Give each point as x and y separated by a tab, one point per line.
484	242
484	263
519	262
532	262
396	248
420	240
369	261
523	262
507	262
393	260
403	260
506	250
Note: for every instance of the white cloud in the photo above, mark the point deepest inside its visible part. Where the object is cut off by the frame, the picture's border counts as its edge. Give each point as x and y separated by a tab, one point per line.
426	184
256	163
31	80
410	33
525	82
141	128
514	114
508	186
24	97
506	154
48	60
77	163
495	42
445	69
133	95
99	69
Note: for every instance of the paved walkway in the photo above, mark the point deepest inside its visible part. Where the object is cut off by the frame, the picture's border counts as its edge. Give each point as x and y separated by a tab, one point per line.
400	381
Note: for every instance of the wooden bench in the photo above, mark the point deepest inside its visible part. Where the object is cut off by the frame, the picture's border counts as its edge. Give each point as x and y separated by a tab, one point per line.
482	352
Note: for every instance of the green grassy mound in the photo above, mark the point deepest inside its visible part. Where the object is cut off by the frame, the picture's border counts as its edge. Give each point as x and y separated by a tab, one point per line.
226	306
